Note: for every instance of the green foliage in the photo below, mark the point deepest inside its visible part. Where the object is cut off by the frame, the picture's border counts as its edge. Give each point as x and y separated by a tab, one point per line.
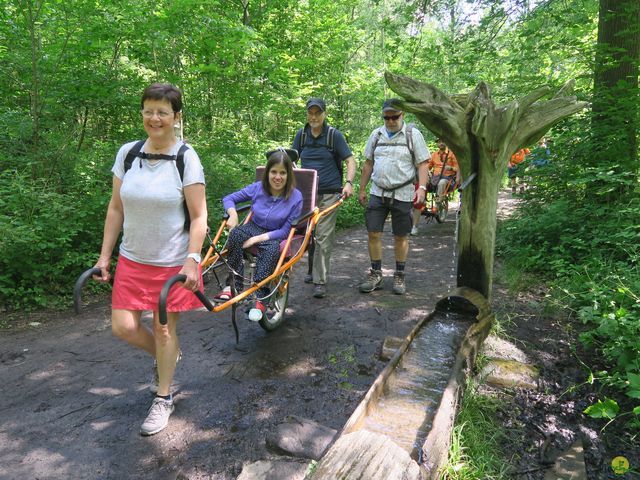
74	74
572	233
607	409
476	451
342	361
610	410
43	238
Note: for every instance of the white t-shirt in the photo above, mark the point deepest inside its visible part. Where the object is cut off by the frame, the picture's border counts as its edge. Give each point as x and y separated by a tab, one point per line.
152	199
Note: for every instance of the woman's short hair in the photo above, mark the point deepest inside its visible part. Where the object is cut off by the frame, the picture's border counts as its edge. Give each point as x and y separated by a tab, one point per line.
280	156
163	91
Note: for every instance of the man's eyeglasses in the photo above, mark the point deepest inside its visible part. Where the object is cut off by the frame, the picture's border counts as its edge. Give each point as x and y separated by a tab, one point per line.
161	114
391	117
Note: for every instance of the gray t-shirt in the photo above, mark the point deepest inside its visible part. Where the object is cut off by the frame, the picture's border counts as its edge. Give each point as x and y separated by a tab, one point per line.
152	199
393	164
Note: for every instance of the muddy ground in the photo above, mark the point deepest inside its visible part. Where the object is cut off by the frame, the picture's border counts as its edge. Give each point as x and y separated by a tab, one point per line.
74	397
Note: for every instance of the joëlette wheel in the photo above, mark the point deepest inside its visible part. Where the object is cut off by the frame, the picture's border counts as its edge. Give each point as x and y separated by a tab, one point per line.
274	316
442	210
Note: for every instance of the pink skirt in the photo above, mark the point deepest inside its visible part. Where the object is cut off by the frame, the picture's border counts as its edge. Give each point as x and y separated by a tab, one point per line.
137	287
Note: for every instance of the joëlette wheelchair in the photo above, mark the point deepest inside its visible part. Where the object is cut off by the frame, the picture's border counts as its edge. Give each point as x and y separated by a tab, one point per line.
291	251
438	208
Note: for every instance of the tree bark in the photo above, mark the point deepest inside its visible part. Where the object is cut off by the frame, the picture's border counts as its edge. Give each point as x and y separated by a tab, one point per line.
483	137
615	91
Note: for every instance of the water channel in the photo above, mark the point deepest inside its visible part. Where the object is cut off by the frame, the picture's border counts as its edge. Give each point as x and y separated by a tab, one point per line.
404	411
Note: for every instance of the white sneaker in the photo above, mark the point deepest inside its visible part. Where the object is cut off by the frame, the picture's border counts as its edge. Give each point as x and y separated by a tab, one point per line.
414	230
257	312
158	416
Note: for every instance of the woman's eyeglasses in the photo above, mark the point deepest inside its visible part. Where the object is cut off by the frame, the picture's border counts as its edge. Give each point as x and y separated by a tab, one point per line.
391	117
161	114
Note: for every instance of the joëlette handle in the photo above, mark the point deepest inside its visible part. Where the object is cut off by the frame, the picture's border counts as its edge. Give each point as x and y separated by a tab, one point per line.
77	289
162	303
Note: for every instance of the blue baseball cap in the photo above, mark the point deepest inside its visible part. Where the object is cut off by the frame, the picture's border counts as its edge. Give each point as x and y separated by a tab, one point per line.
316	102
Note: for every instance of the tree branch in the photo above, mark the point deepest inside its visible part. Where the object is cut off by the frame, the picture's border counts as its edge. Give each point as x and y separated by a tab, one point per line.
538	119
566	90
434	108
414	91
528	100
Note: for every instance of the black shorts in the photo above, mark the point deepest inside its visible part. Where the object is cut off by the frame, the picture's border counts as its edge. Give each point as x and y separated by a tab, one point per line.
378	210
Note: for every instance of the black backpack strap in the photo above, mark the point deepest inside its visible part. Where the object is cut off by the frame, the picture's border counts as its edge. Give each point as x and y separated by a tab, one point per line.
302	135
132	154
180	166
331	133
135	152
180	160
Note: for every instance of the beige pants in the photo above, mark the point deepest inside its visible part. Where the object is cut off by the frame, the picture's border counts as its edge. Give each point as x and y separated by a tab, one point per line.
325	234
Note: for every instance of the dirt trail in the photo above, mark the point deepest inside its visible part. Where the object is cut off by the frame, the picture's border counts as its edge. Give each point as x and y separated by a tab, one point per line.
74	396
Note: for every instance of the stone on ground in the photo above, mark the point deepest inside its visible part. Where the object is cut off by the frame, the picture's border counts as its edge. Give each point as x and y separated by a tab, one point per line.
510	374
570	465
301	438
273	470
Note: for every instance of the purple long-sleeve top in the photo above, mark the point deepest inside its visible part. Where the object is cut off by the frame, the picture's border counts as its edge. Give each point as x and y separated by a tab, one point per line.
271	213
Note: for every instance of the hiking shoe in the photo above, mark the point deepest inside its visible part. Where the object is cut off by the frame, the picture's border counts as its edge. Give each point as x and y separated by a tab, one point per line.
320	290
155	379
399	287
257	312
158	416
373	281
308	278
414	230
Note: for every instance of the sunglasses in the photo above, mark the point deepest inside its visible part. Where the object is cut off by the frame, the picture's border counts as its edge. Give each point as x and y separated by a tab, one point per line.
391	117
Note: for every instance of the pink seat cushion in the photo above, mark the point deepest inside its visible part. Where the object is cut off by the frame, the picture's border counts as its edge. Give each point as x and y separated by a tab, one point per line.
294	246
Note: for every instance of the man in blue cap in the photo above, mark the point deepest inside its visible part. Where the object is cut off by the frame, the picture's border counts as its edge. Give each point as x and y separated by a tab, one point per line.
394	153
323	148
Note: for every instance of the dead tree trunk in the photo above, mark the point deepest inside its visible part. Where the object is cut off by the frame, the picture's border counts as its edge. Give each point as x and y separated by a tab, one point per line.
483	137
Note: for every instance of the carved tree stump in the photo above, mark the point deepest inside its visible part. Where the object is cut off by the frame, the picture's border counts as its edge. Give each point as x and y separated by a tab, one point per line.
483	137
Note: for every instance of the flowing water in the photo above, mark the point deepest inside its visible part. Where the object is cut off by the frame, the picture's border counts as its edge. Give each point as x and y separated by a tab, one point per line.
405	410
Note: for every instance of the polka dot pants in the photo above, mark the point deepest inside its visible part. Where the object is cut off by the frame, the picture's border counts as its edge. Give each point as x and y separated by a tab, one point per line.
267	256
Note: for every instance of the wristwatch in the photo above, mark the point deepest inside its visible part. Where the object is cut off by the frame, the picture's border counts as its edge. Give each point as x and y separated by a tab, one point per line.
423	187
195	257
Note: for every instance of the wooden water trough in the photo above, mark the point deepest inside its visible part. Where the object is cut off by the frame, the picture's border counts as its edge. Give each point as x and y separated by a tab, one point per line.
367	451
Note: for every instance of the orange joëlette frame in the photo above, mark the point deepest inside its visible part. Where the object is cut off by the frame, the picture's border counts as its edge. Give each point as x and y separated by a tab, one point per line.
283	265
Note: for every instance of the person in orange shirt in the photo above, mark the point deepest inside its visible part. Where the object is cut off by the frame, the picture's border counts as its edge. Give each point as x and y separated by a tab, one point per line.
443	167
512	168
